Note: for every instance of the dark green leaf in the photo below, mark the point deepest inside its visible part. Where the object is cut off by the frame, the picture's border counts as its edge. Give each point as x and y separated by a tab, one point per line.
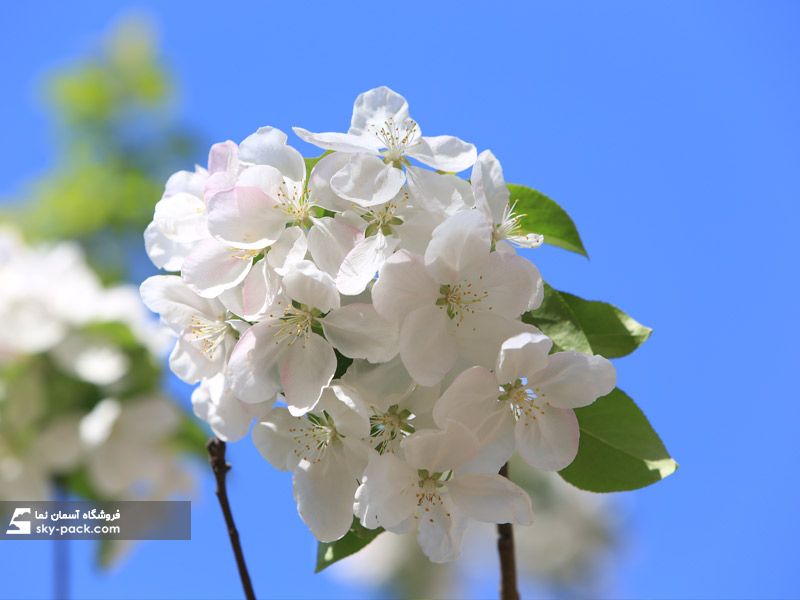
353	541
543	215
619	450
587	326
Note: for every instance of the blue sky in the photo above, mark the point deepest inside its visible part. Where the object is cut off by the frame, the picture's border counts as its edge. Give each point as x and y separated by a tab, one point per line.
668	130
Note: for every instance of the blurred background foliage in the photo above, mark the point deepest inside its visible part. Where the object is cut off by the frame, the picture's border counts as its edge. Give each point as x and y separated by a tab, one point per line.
119	138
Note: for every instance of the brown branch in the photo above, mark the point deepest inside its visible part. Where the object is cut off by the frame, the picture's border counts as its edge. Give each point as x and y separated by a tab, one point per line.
508	563
216	457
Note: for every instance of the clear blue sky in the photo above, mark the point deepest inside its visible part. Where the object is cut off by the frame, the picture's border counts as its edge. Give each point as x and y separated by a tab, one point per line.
669	131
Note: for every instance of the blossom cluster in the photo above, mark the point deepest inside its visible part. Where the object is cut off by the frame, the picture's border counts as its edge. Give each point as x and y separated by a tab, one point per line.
377	299
79	382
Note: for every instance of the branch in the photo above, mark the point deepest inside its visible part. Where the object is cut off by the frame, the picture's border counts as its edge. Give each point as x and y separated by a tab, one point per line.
508	563
216	458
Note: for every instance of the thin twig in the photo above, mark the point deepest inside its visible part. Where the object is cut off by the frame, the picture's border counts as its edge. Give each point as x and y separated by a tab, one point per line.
508	563
216	457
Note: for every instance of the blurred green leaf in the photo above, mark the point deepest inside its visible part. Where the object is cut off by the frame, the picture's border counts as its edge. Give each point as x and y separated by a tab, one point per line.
354	540
588	326
619	450
544	216
190	437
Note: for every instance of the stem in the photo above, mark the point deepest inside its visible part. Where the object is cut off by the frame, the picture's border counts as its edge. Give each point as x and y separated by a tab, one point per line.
508	563
216	458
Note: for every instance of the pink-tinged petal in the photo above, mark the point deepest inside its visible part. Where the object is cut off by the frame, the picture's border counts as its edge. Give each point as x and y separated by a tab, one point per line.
306	284
367	181
212	268
439	451
255	296
267	146
253	365
522	355
373	108
444	152
547	437
387	494
573	379
357	331
491	498
462	243
306	369
362	263
245	217
403	286
491	191
290	248
339	142
223	158
427	346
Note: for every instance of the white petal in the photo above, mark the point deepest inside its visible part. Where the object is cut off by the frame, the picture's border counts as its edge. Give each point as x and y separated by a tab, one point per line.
329	241
190	364
191	182
427	347
444	152
387	494
403	286
512	283
439	193
339	142
440	530
253	366
357	331
324	491
223	157
306	284
228	417
276	438
367	180
548	437
288	250
470	399
267	146
350	418
572	379
181	217
257	293
319	183
373	108
362	262
440	450
461	243
480	335
245	217
165	253
212	268
491	191
491	498
378	385
306	368
522	355
172	299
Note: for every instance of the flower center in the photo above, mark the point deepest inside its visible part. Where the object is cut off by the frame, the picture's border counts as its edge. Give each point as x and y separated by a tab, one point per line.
429	492
460	299
383	219
310	443
524	402
208	334
396	137
510	228
298	321
296	203
388	429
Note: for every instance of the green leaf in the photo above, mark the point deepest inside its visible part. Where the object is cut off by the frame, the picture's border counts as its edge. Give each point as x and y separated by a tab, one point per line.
543	215
587	326
354	540
619	450
190	437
